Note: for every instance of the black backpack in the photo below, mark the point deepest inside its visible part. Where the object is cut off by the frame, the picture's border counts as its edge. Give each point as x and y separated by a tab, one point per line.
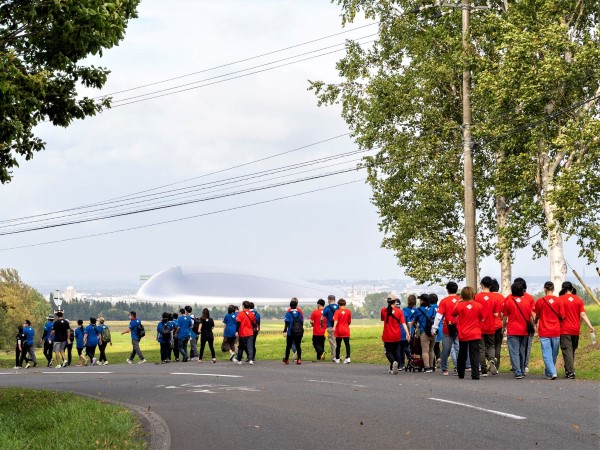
428	323
297	326
141	331
196	324
166	332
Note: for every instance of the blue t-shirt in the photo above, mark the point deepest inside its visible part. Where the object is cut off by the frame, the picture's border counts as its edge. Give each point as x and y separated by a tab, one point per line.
420	316
230	325
159	330
408	316
256	316
93	333
30	333
133	325
79	332
184	323
47	331
290	316
328	313
438	336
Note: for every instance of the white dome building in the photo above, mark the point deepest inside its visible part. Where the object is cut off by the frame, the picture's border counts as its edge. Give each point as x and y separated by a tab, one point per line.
206	286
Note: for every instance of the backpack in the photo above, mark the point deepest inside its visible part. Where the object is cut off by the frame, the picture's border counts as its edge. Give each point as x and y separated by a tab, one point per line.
428	323
166	332
105	334
141	332
196	324
297	326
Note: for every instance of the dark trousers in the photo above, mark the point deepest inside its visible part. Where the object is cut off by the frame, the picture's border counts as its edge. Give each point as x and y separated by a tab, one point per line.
90	350
487	351
295	341
102	348
392	352
246	344
175	348
319	345
254	343
20	355
210	341
48	350
165	351
404	352
498	338
338	346
69	353
568	345
472	348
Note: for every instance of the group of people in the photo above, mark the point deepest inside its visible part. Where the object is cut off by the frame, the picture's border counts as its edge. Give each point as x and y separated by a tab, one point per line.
471	327
58	339
468	327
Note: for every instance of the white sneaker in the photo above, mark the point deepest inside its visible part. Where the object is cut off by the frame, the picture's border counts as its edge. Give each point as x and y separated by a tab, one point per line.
337	361
214	360
142	361
27	366
93	362
105	363
64	364
17	367
251	362
347	361
395	367
129	361
235	360
390	372
526	369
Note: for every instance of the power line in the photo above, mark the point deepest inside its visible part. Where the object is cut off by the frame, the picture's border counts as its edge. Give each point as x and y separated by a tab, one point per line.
181	218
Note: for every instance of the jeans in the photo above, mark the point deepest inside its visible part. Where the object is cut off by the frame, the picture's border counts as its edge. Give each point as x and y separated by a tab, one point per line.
392	352
182	344
568	345
30	349
136	350
470	348
549	354
517	349
247	344
528	354
194	347
449	347
319	345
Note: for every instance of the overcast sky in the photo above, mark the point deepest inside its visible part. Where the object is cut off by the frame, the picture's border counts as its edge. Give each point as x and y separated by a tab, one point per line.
329	234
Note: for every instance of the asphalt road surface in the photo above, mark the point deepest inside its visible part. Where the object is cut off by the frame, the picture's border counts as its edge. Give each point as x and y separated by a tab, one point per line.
326	405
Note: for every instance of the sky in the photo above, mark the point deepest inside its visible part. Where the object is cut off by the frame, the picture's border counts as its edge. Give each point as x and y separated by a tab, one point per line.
330	234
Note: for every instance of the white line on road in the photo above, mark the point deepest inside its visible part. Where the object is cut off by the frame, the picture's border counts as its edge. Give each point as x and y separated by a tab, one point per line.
208	375
500	413
68	372
337	382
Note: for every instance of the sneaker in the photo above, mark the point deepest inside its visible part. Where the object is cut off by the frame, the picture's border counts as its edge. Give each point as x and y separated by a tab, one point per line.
286	361
232	357
445	373
455	372
129	361
17	367
93	362
336	360
252	362
571	376
34	365
484	374
295	356
27	366
468	369
395	367
519	377
51	362
58	366
493	369
176	359
106	363
347	361
214	360
235	360
142	361
428	370
323	357
64	364
401	368
526	369
390	372
200	361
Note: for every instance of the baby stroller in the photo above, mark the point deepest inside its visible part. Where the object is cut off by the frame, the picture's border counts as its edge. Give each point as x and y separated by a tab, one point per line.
415	362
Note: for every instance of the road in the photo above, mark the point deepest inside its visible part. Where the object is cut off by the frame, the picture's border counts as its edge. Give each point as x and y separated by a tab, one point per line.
273	406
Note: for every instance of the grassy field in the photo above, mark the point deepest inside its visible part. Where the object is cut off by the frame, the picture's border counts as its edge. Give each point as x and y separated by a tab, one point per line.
24	412
365	341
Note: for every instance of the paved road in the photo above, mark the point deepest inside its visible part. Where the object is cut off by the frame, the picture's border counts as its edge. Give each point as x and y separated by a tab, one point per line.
272	406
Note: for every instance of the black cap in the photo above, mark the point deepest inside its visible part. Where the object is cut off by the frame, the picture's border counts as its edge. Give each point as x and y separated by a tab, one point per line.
424	297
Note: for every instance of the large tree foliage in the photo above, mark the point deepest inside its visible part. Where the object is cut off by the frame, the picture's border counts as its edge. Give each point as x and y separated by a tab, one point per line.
41	45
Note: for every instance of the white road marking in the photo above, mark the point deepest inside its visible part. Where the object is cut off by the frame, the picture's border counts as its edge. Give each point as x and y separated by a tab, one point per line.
499	413
337	382
68	372
208	375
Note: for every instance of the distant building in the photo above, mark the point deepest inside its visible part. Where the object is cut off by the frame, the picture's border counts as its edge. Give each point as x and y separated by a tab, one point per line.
70	294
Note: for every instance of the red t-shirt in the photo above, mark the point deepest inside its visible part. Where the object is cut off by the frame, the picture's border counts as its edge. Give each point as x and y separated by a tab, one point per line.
530	299
515	323
499	299
573	307
316	319
391	326
470	319
490	306
246	319
548	323
446	308
344	319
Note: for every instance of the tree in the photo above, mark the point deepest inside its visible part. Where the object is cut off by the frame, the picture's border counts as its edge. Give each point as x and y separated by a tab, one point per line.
41	45
374	302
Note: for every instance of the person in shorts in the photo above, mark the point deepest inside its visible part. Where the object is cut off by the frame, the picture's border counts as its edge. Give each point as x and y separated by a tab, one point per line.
60	337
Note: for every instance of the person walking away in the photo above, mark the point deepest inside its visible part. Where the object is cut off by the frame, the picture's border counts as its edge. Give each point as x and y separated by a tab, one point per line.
549	313
20	352
106	339
341	329
163	337
498	333
80	343
173	318
29	333
531	300
571	327
425	317
393	321
47	341
470	318
318	338
328	313
92	337
135	326
491	310
433	298
409	313
229	331
184	325
194	333
206	335
256	328
517	322
293	330
69	346
60	339
444	312
245	323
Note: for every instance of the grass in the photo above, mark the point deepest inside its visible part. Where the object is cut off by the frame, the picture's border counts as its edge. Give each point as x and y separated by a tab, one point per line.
365	341
67	421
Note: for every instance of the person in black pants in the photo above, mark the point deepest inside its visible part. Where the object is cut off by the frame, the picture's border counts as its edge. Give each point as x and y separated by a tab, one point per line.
293	330
470	319
164	331
70	345
206	335
174	344
20	351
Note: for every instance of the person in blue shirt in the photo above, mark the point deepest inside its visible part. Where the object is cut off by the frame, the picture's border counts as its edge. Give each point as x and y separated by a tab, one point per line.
438	336
293	315
80	343
91	338
134	323
47	340
328	313
194	333
257	329
164	332
409	313
423	313
184	325
229	331
174	344
29	333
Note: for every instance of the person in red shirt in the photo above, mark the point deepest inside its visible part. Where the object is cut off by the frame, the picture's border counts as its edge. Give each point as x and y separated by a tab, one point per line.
517	312
531	300
571	326
449	332
393	321
245	321
498	334
470	318
491	311
341	330
549	313
318	338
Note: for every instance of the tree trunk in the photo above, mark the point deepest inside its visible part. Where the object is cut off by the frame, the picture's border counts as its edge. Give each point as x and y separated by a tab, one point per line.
558	265
502	212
